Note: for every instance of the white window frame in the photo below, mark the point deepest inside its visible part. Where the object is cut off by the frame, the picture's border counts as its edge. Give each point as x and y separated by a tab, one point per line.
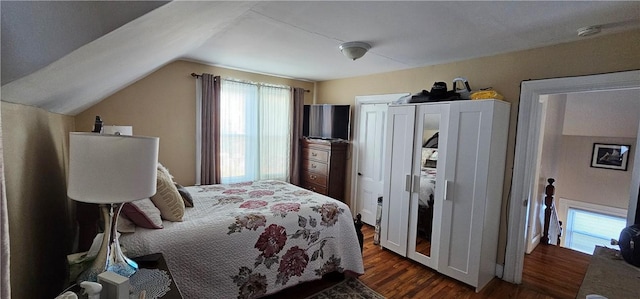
565	204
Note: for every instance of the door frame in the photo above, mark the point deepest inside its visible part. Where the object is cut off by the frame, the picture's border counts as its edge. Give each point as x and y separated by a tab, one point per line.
526	148
359	101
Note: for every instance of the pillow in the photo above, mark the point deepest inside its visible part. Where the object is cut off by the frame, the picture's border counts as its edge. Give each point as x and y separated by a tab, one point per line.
167	198
426	152
142	213
429	156
125	225
186	196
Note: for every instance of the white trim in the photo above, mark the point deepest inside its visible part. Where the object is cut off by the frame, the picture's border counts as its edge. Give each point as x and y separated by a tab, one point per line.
564	204
527	139
362	100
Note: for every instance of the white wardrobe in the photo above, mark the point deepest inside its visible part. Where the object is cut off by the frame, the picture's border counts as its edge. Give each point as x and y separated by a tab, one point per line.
444	170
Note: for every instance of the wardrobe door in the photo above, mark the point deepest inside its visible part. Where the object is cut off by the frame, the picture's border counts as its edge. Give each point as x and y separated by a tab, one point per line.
397	188
463	208
426	203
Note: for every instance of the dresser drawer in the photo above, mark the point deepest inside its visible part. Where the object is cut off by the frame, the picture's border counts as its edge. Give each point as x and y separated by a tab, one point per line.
316	155
315	188
315	178
314	166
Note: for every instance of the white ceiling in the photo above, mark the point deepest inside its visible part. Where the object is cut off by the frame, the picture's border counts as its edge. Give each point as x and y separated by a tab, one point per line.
67	56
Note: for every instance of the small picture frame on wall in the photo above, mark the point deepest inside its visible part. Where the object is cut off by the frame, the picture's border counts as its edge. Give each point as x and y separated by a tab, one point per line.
610	156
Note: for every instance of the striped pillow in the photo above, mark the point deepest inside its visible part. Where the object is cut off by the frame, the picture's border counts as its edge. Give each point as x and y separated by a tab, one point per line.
167	198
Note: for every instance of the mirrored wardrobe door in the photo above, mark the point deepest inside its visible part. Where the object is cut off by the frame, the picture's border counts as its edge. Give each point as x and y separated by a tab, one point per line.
422	242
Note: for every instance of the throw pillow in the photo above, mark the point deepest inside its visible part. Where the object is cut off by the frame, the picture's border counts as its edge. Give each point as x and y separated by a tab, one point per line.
186	196
125	225
143	213
167	198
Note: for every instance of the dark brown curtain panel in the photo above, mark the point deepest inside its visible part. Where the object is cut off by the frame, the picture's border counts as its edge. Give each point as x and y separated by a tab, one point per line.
296	134
210	158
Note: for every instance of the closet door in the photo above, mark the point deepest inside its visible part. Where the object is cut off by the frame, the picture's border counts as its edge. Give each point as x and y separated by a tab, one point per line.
465	197
428	177
398	175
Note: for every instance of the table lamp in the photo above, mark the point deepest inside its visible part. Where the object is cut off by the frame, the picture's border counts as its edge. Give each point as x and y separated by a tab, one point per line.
110	170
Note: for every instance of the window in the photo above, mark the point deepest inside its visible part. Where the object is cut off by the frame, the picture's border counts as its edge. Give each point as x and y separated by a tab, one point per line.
586	229
255	131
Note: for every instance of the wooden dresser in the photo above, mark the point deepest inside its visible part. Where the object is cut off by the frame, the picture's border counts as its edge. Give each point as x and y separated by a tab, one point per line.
323	166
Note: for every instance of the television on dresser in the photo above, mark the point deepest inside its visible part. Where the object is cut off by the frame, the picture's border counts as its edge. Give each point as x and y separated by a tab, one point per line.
326	121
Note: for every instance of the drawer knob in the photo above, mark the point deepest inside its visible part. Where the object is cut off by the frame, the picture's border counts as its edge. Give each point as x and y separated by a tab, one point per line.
313	177
314	154
313	166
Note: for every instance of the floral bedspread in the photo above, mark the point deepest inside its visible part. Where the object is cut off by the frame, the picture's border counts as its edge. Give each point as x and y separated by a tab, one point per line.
251	239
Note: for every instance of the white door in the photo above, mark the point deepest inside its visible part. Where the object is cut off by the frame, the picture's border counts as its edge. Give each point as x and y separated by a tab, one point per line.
397	178
370	146
468	228
458	237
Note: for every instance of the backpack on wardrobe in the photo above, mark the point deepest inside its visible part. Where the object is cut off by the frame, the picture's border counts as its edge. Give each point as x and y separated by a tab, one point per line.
629	243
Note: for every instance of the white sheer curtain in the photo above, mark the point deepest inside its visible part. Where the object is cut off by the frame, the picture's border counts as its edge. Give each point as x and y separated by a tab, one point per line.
255	131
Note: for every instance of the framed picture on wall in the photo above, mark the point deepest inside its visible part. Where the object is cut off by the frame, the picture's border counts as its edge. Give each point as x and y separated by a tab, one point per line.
610	156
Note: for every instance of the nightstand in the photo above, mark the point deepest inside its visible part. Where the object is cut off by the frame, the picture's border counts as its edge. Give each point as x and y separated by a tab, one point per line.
156	261
150	261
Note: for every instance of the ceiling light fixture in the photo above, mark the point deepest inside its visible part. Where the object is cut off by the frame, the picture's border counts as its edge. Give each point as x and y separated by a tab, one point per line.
589	30
354	50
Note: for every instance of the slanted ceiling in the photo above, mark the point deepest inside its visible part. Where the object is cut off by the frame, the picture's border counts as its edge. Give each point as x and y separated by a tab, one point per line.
603	114
65	56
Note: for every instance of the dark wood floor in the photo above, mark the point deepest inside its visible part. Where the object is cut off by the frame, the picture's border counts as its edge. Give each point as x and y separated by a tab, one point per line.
563	265
550	272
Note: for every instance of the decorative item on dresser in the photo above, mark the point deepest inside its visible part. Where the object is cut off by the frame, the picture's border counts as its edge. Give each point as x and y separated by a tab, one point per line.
323	166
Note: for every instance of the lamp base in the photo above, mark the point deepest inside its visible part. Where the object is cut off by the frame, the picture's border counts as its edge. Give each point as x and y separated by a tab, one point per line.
110	256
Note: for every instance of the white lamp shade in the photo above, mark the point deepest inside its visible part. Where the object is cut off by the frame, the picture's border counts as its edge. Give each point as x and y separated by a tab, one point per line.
118	130
111	168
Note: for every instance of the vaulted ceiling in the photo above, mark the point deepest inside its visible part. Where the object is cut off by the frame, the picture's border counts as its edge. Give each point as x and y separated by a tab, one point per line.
65	56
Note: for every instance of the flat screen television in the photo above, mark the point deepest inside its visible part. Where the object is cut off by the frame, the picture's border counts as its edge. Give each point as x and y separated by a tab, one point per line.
326	121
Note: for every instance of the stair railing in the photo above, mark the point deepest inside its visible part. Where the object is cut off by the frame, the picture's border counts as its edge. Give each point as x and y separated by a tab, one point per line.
552	225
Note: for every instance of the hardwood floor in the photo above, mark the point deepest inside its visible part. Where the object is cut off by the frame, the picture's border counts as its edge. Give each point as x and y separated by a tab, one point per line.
550	272
396	277
569	268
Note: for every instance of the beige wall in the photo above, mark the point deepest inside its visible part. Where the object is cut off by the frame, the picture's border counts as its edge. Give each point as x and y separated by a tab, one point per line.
577	180
163	105
40	215
610	53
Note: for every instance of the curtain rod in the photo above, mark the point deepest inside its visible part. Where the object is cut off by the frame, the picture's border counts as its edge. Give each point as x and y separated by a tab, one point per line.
197	76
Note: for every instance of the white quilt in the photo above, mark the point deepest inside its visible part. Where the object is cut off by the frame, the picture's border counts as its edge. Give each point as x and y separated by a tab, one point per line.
251	239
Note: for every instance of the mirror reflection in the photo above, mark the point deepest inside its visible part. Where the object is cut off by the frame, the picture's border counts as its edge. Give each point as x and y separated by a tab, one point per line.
428	174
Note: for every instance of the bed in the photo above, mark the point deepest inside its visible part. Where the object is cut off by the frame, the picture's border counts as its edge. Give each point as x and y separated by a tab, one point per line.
252	239
427	192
